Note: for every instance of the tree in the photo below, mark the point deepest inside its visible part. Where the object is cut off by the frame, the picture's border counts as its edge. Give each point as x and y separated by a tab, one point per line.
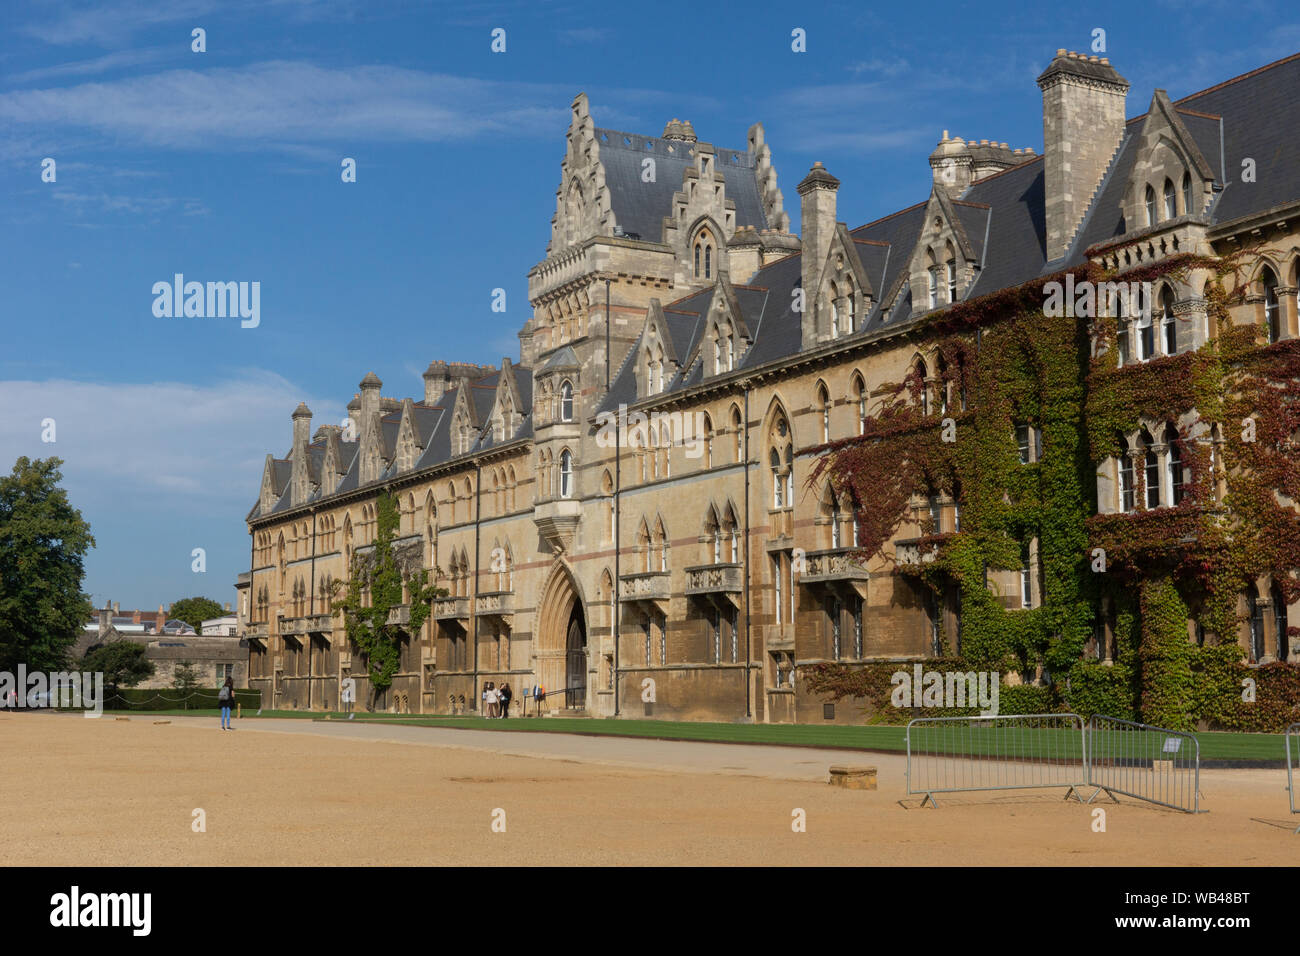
122	663
374	589
185	678
43	542
194	611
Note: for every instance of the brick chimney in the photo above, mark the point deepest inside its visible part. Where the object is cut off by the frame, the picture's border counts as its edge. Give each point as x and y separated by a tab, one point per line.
1083	123
817	215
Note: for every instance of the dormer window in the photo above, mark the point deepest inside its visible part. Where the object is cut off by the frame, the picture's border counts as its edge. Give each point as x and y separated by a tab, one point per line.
952	280
1171	205
934	287
1188	207
1151	206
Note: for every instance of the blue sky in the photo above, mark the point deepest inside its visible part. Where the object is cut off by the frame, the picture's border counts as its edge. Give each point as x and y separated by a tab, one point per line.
224	165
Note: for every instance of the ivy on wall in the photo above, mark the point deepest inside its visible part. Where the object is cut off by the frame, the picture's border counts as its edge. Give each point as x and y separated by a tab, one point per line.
376	587
1003	362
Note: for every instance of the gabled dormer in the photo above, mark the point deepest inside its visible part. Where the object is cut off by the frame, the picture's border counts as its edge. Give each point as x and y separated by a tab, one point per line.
332	467
657	362
1171	177
268	495
844	294
507	405
944	263
410	442
726	336
465	424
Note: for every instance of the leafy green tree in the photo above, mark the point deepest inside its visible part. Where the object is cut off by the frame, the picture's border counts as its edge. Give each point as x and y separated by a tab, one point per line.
373	590
185	678
43	542
194	611
122	663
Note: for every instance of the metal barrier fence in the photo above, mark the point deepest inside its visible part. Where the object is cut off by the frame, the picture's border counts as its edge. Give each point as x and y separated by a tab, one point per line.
1150	763
1014	752
1026	751
1292	733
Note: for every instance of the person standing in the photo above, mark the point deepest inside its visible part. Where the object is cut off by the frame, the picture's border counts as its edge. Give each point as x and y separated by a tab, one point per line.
226	697
505	695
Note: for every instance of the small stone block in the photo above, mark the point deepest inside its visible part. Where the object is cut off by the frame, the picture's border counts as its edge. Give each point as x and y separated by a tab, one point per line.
121	718
853	778
162	721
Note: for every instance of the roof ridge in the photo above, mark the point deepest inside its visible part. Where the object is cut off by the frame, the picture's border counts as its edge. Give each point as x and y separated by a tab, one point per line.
876	222
1010	169
1237	79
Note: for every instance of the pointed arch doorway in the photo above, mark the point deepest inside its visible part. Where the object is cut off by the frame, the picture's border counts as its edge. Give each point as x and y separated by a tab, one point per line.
575	657
562	640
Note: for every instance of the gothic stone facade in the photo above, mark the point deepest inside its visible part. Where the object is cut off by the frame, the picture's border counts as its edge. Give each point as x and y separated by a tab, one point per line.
692	550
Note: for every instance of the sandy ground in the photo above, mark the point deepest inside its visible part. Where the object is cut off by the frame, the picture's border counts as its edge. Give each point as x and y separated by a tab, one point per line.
114	792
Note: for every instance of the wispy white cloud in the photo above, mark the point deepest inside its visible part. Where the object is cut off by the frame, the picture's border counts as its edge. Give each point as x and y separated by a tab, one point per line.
81	202
890	66
123	59
108	23
585	35
296	105
174	444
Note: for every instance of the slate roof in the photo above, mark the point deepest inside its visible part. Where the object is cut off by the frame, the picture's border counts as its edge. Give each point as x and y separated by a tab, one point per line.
641	207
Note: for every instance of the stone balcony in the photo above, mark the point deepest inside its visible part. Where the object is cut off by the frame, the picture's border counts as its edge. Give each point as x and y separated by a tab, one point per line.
716	582
400	615
451	609
836	568
646	587
257	632
495	604
306	625
913	552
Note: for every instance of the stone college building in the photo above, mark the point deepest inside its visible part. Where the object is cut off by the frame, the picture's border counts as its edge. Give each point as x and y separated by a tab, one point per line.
628	507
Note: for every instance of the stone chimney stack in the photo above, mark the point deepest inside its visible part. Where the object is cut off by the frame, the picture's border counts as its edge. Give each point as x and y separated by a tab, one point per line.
817	214
435	382
105	618
116	608
1083	123
371	465
354	413
744	254
301	473
301	426
952	166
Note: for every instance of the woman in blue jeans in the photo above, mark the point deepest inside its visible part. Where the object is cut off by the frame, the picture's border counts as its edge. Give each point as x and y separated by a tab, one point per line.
227	699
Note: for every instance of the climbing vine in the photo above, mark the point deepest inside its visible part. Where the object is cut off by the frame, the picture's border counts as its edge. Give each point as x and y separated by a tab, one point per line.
1004	361
378	585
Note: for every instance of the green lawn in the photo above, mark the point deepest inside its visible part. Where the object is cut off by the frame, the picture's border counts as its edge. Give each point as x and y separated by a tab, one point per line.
1214	746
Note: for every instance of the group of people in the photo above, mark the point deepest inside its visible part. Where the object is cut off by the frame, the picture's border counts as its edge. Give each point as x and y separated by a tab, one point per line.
496	700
